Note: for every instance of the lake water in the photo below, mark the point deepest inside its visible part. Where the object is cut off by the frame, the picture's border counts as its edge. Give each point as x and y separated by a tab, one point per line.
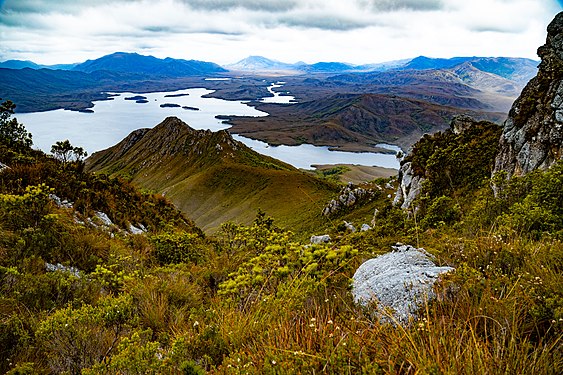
112	120
277	98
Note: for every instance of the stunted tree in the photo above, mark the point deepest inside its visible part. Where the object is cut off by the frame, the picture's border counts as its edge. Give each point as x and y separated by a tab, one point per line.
66	152
12	133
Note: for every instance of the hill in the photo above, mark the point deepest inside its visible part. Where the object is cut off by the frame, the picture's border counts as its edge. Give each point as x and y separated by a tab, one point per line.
354	122
213	178
148	65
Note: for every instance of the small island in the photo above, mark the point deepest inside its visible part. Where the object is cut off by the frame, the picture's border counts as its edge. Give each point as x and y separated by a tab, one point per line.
175	95
169	105
137	98
141	101
190	108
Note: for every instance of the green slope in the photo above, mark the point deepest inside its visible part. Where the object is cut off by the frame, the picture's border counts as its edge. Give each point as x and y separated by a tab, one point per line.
213	178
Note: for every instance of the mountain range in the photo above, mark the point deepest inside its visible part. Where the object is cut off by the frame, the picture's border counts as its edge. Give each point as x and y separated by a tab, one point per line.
517	69
341	105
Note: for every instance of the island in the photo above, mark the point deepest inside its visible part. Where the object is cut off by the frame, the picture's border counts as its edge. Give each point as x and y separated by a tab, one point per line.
137	98
169	105
175	95
190	108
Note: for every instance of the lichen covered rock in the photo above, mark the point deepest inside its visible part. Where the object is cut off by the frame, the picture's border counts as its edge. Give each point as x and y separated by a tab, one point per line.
400	282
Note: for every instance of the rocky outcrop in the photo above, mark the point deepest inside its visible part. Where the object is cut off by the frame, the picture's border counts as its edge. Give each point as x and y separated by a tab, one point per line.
400	282
461	123
532	137
409	186
348	197
317	240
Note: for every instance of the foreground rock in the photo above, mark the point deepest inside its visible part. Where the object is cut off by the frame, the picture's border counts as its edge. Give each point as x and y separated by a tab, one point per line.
533	132
400	281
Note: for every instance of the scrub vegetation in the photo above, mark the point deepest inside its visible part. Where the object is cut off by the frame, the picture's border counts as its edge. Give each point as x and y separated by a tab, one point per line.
81	296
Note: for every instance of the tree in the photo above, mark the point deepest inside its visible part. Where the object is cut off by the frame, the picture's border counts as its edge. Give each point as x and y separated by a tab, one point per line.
12	133
66	152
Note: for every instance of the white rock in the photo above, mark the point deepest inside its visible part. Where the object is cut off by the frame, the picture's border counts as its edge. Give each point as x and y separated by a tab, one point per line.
315	240
134	230
104	218
401	281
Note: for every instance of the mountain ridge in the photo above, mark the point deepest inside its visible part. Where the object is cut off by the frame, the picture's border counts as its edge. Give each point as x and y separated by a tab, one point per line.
211	177
136	63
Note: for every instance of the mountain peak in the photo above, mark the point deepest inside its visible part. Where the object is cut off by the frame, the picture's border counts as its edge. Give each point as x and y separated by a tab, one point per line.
209	175
135	63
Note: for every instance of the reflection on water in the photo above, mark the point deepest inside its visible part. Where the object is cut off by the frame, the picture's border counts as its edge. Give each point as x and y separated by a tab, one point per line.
112	120
303	156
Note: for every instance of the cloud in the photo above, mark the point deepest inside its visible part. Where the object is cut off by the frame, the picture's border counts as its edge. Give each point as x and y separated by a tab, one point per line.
393	5
224	31
254	5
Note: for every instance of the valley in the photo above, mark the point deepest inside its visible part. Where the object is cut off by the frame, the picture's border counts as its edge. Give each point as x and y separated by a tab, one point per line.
349	108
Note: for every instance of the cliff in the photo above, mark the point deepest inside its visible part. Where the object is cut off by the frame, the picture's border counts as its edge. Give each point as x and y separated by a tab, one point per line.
533	132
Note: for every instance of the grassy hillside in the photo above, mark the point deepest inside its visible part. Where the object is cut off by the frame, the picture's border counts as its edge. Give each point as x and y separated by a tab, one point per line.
81	297
256	300
214	179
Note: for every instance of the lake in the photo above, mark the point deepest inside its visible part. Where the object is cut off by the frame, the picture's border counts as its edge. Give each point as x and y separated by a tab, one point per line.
278	98
112	120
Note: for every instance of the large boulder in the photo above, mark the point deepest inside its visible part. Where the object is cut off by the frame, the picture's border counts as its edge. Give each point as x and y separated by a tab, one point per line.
532	136
400	282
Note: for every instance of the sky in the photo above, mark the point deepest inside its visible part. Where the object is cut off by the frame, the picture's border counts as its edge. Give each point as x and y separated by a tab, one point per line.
225	31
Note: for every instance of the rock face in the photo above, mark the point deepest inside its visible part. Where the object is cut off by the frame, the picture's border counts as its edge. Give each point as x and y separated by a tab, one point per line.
401	280
533	132
409	186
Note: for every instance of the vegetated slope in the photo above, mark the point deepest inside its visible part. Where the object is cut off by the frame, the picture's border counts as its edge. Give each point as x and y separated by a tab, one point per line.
213	178
350	121
149	65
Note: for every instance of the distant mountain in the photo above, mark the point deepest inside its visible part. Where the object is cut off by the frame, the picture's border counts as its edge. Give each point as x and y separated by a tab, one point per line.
134	63
329	67
263	64
423	62
21	64
211	176
259	63
520	70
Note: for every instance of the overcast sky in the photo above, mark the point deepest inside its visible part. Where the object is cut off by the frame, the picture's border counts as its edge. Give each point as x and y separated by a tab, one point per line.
225	31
